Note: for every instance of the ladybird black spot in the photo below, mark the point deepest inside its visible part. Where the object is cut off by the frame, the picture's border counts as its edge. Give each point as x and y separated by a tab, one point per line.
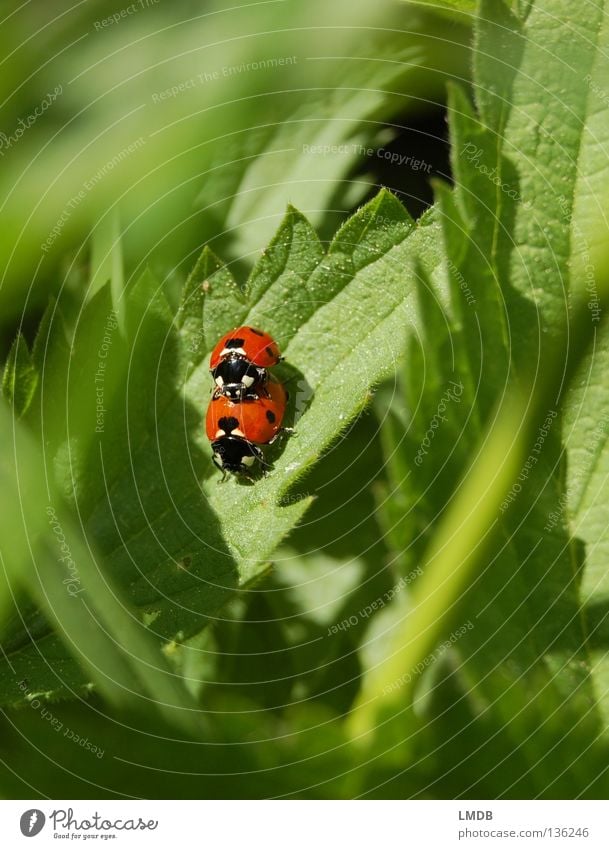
256	331
235	343
228	424
270	416
270	352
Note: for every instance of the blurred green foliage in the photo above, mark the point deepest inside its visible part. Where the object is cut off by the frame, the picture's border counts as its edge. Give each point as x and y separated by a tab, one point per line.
183	114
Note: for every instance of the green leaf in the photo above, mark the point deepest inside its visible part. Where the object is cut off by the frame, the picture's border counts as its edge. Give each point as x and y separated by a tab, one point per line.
540	113
459	7
48	557
124	432
107	259
20	377
321	139
215	125
470	535
559	122
580	507
341	292
211	287
510	239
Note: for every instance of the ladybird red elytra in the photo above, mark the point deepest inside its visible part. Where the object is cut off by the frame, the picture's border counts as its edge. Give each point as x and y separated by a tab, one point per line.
256	346
237	429
239	361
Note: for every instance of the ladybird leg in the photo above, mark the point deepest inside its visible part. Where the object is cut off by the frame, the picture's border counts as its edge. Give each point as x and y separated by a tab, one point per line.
223	470
283	431
264	466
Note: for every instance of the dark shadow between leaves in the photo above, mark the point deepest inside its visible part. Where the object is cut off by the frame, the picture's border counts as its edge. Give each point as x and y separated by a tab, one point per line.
160	538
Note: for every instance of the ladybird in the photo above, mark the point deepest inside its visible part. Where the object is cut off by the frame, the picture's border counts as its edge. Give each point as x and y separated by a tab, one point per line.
239	361
237	429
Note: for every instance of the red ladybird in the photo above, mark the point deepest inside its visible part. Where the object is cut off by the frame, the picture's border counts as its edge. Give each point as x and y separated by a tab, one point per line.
239	361
254	345
237	429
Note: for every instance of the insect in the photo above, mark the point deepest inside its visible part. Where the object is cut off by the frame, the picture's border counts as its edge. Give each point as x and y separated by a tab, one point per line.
236	430
239	362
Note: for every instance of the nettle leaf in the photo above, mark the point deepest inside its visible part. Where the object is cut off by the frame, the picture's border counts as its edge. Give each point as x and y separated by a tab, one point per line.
121	411
581	507
511	243
529	156
326	136
540	114
556	131
468	536
49	557
339	337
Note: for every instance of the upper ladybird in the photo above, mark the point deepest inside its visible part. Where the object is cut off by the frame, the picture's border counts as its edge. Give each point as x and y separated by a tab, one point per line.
239	361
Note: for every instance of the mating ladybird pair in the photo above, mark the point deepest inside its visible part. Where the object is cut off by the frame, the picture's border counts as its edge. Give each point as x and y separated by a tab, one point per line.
248	405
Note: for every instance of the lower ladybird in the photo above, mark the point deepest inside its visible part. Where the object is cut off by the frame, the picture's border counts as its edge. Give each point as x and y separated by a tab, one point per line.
237	430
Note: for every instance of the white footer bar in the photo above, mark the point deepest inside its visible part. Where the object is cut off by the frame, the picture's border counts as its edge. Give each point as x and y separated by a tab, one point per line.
305	824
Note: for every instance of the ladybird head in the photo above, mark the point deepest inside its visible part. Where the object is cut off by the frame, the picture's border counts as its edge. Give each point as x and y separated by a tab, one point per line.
235	454
236	377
